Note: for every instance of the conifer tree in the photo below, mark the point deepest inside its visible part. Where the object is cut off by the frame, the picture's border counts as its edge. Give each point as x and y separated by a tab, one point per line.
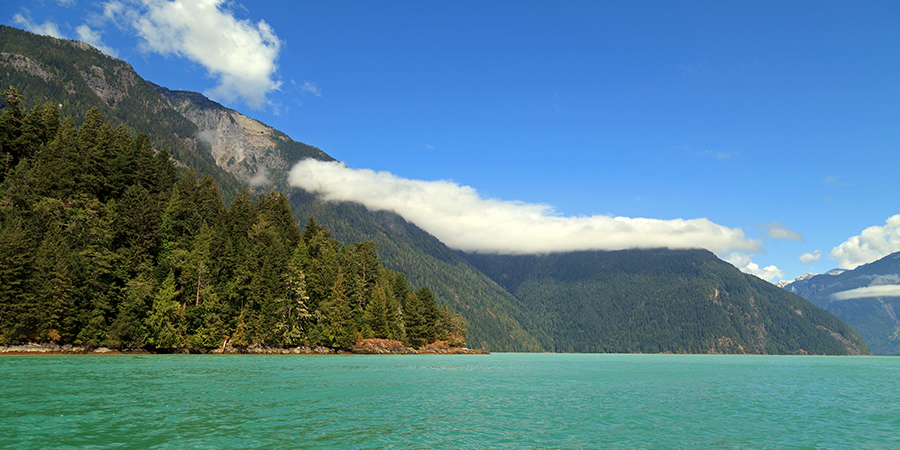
164	325
339	329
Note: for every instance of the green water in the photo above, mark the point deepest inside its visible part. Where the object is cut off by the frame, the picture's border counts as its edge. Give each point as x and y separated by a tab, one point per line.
430	401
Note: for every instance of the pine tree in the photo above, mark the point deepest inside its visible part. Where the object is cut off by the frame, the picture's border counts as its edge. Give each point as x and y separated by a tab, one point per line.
17	306
129	329
339	330
53	282
164	325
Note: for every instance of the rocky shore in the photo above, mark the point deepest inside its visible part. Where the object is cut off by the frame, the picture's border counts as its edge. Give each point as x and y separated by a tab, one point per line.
364	347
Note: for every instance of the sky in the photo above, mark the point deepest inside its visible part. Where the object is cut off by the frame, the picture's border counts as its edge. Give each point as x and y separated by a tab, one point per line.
767	132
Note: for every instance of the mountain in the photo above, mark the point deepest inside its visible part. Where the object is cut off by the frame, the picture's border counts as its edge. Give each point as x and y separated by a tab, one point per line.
865	297
240	145
234	149
662	301
656	304
78	77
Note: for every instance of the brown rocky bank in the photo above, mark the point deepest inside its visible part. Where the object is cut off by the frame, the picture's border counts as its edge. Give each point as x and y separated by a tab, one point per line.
364	347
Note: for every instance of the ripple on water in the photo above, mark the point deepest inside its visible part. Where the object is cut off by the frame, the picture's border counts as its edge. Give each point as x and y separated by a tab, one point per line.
458	401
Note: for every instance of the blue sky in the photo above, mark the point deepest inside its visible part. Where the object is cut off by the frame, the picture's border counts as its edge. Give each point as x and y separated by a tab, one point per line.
768	132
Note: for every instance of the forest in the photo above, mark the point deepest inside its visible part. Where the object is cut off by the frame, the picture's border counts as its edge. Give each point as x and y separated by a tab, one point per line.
105	242
662	301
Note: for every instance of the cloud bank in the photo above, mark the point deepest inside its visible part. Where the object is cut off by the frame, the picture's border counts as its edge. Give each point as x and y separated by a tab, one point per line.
872	244
868	292
462	219
239	54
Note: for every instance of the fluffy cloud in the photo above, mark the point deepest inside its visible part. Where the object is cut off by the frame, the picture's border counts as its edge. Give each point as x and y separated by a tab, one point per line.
776	230
872	244
86	34
241	55
744	261
811	257
24	20
867	292
463	220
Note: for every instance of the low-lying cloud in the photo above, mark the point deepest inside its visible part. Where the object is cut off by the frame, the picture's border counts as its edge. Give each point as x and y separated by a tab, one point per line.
868	292
462	219
744	261
239	54
261	178
872	244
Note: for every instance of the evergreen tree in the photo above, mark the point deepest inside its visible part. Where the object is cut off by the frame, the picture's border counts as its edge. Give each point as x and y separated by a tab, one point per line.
103	243
54	285
339	330
164	324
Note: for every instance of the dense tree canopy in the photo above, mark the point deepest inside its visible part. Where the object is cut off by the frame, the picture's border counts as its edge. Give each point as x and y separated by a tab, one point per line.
104	242
659	300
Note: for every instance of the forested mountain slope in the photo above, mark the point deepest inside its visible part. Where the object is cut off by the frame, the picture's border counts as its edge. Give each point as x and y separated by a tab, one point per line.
104	243
78	77
662	301
202	134
867	298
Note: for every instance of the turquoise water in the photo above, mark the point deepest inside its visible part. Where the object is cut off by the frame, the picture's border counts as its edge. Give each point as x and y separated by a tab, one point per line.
456	401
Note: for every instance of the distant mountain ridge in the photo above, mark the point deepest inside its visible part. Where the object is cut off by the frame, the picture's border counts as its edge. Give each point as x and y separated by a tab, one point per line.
501	315
662	300
859	297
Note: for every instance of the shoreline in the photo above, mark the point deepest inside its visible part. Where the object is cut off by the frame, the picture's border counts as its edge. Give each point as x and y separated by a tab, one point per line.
365	347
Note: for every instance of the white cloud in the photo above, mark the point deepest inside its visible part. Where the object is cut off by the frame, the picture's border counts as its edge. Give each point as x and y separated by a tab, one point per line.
86	34
208	136
744	261
261	178
867	292
872	244
458	216
311	88
776	230
811	257
24	20
239	54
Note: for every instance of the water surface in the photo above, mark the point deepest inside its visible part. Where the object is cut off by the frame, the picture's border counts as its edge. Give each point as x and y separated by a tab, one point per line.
452	401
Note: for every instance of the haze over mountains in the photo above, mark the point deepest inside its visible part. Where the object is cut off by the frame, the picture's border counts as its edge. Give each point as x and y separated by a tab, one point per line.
677	300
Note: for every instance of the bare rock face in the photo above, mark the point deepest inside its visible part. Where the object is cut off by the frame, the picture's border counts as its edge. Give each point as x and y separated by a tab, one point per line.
25	64
243	146
239	144
110	87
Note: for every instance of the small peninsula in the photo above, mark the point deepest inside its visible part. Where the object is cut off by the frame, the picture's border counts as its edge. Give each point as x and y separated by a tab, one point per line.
105	243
